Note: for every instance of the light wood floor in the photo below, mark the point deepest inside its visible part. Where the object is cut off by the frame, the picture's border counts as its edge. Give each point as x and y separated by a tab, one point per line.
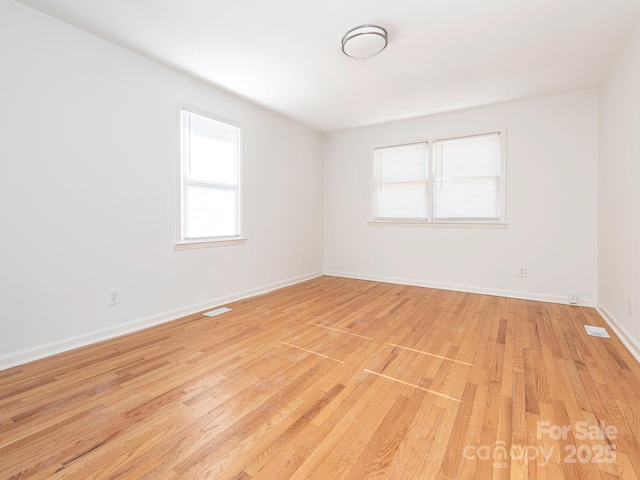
334	379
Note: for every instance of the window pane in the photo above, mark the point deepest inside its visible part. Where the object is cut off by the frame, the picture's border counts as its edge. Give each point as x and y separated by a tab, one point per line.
212	160
401	182
402	200
208	127
210	212
466	183
466	198
404	163
468	157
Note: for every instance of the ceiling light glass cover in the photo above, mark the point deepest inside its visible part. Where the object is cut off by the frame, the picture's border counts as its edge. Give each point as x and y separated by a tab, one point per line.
364	41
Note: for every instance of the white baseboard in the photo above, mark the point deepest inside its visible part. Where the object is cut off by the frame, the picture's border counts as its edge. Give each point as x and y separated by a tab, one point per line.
20	357
539	297
631	343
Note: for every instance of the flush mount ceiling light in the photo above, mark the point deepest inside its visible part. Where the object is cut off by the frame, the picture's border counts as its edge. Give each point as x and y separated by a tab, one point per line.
364	41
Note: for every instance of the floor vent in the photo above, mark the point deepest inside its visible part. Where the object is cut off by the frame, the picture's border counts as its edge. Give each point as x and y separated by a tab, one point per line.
217	311
597	331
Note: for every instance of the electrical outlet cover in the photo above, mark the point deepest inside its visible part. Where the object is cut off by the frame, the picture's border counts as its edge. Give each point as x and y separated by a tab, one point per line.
114	297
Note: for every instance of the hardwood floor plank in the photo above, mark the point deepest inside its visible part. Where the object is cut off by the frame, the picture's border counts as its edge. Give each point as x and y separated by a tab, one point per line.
381	448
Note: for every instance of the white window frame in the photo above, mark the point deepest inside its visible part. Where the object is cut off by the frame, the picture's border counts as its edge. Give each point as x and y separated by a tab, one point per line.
430	222
181	243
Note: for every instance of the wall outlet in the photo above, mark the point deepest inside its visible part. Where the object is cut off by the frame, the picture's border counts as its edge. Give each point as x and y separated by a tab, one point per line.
301	260
522	272
573	300
114	297
631	306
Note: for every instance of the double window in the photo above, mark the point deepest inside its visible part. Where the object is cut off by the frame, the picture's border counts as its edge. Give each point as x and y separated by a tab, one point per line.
210	197
449	180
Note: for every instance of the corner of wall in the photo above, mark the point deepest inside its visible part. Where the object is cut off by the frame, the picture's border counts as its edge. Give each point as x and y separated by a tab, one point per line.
625	337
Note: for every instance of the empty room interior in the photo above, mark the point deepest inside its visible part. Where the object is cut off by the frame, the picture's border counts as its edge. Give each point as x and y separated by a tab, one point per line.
320	240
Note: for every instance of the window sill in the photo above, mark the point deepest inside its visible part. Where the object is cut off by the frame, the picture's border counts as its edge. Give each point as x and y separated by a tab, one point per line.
438	224
209	243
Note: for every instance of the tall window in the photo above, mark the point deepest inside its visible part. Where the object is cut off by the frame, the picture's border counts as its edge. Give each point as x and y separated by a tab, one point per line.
401	177
452	180
210	161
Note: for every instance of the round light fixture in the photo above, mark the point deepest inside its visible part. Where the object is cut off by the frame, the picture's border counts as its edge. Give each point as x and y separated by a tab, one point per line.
364	41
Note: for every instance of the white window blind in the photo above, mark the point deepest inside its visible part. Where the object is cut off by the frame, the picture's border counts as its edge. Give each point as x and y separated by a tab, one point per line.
401	176
445	180
466	184
210	178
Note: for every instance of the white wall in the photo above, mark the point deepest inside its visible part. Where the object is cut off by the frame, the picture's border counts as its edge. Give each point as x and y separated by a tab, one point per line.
88	164
552	158
619	194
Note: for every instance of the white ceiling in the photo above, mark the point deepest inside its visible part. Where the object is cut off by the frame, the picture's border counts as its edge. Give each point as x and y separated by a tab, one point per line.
442	55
